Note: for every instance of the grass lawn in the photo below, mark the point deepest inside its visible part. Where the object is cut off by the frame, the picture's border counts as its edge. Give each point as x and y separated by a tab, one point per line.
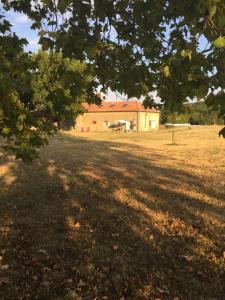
115	216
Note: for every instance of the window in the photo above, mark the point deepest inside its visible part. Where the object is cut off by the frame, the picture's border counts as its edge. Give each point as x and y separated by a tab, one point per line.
94	122
124	105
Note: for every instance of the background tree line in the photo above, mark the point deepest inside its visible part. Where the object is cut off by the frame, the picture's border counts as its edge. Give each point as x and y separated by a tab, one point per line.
194	113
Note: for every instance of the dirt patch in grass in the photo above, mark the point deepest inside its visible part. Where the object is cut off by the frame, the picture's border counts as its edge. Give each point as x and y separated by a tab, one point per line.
115	216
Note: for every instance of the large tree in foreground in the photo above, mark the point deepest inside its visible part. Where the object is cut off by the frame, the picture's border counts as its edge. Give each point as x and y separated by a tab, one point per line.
174	47
37	92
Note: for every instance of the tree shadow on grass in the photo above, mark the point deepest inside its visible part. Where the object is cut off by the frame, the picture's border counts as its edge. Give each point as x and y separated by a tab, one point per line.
104	220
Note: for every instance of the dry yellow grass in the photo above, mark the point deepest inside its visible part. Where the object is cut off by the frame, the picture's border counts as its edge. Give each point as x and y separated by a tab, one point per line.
116	216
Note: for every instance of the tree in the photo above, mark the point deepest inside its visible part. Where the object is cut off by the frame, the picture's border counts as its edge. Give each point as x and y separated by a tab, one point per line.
14	85
46	89
60	86
199	114
194	113
136	47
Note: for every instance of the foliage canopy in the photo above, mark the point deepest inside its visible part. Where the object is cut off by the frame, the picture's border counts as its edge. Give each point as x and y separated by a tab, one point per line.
174	47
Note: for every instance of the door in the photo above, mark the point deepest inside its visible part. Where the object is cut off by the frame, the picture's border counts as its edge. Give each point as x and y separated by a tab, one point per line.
152	124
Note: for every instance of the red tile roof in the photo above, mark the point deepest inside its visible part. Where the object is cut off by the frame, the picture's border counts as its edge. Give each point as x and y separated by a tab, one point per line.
123	105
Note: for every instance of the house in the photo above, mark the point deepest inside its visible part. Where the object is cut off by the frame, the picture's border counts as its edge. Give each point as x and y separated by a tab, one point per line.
130	114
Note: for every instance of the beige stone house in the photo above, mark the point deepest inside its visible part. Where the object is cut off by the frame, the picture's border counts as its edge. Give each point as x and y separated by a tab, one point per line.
129	113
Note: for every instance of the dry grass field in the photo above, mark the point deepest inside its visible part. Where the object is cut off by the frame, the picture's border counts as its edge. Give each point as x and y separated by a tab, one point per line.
115	216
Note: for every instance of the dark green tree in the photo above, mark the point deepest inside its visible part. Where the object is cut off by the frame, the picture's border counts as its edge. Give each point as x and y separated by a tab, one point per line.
60	86
37	92
195	113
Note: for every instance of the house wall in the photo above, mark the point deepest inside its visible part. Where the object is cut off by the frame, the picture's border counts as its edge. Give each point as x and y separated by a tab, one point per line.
88	119
148	121
96	121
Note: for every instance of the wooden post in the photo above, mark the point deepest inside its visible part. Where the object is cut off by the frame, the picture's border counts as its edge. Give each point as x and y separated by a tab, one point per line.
173	135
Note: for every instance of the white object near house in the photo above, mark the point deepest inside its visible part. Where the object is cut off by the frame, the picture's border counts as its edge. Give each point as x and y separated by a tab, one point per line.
178	125
127	124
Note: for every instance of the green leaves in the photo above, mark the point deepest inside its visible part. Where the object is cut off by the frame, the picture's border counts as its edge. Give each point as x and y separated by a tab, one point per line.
48	88
212	10
6	131
219	42
222	132
202	91
46	43
62	5
166	71
186	54
216	100
91	52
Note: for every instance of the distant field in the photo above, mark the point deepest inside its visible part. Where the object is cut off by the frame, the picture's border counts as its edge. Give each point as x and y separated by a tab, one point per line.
116	216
